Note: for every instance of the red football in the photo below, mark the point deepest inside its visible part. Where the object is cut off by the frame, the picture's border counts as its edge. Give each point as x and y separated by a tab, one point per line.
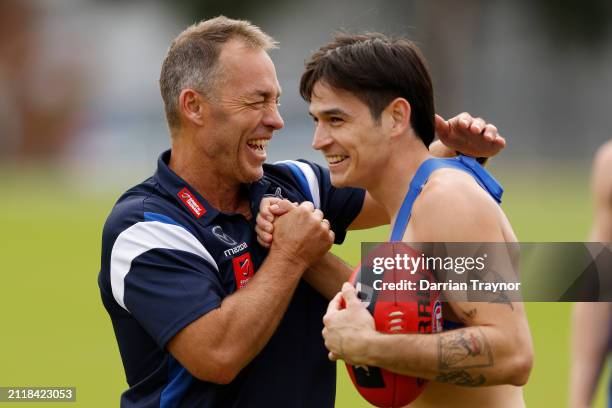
395	311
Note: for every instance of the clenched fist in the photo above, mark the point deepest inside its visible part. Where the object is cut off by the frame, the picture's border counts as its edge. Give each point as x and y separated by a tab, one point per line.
301	233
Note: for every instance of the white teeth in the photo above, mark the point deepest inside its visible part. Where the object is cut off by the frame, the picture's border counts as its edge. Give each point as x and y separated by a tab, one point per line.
259	144
335	159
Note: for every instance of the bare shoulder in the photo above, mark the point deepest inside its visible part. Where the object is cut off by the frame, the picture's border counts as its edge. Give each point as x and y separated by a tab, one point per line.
604	154
602	171
453	207
601	183
454	192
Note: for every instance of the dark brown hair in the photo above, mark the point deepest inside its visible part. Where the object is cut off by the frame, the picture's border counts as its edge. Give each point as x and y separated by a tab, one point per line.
376	69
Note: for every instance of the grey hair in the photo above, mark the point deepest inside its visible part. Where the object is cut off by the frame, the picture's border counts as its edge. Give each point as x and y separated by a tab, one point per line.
192	60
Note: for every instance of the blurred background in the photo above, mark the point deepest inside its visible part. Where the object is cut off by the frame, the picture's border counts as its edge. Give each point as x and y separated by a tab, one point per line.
81	120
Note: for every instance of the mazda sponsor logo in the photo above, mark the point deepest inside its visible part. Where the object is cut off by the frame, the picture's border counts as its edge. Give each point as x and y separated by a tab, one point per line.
235	250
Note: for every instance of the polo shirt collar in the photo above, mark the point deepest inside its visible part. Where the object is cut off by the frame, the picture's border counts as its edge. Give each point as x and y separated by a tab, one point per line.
191	201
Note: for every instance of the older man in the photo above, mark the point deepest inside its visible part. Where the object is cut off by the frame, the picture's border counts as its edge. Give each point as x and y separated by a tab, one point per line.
203	315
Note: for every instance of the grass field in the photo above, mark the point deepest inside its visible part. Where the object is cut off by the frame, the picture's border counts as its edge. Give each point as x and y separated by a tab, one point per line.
55	331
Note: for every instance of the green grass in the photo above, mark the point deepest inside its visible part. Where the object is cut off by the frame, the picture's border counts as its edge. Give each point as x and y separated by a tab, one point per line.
56	333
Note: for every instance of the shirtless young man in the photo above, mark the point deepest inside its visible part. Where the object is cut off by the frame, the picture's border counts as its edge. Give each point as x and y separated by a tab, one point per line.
372	102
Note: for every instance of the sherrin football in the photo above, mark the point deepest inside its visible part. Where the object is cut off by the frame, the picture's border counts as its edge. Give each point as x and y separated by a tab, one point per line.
395	312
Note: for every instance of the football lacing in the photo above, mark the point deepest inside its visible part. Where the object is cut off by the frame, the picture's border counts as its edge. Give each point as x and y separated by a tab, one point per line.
396	320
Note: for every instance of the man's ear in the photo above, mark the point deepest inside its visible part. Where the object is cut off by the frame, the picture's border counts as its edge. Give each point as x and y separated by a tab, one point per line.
192	106
398	112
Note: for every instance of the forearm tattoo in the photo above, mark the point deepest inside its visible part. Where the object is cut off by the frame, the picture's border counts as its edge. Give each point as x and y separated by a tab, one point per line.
462	349
462	378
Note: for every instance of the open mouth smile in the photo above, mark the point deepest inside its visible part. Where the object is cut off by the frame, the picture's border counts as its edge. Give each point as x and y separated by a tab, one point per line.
336	159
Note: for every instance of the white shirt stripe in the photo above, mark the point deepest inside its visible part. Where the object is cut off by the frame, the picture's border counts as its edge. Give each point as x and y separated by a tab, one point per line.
145	236
311	177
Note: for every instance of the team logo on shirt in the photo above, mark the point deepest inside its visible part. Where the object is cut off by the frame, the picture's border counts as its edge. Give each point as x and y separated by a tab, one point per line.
243	269
223	237
278	193
191	202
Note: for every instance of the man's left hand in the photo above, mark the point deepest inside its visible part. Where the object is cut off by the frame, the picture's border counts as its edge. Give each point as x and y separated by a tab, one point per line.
468	135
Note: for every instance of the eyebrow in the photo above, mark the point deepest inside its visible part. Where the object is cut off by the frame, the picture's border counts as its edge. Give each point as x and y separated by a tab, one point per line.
266	94
330	112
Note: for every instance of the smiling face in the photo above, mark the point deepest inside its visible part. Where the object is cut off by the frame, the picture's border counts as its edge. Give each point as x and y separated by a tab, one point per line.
353	143
243	113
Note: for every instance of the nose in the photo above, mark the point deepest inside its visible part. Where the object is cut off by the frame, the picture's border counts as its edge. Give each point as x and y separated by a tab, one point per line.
272	118
321	138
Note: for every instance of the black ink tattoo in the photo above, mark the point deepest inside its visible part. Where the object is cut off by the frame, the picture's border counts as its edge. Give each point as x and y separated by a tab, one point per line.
502	297
462	378
464	348
492	276
467	315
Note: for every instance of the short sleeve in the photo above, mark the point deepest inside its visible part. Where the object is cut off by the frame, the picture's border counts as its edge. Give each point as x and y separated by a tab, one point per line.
340	205
164	277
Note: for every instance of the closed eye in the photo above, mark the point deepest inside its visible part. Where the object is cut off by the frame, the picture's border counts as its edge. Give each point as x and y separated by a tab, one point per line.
264	104
335	120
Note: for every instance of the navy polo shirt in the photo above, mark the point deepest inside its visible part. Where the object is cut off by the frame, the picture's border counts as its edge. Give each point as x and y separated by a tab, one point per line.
168	258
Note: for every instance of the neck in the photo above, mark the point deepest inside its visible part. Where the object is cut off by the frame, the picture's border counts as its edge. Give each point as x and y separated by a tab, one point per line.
198	170
392	182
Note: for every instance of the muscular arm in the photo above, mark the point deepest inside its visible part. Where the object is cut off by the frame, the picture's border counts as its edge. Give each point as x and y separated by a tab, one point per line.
372	214
493	350
590	338
327	275
496	347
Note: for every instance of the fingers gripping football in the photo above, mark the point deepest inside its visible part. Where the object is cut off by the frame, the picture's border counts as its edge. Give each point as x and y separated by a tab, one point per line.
346	328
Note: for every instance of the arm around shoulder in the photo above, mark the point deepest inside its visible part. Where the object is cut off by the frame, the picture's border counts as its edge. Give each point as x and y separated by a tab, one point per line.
372	214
